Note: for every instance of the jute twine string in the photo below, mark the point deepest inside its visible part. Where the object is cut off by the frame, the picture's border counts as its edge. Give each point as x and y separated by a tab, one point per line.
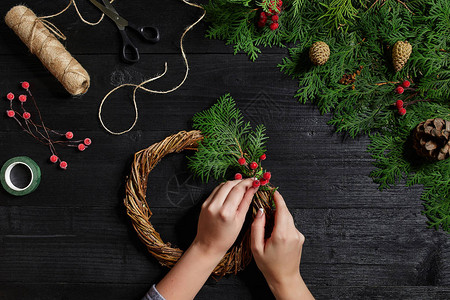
142	84
40	36
237	257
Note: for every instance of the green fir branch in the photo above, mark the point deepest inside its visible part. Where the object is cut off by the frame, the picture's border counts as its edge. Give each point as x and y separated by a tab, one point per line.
227	137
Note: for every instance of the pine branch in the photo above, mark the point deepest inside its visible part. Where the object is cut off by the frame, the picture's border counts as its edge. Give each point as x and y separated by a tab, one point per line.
226	139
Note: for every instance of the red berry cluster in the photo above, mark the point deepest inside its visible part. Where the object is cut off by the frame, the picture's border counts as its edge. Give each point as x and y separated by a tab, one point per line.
274	15
38	130
400	90
261	180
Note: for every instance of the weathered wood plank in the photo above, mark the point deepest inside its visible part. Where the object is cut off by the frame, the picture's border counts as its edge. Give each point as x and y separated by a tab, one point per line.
375	246
240	291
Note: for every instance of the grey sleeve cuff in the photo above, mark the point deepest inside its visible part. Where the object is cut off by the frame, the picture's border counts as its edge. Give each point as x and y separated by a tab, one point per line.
153	294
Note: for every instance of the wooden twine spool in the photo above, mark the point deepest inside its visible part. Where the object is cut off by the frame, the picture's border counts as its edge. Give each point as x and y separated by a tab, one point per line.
237	257
44	44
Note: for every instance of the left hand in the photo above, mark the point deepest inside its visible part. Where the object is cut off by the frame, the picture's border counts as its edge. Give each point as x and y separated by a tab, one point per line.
223	215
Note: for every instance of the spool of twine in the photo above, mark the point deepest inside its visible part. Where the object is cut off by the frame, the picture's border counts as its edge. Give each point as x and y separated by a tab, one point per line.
44	44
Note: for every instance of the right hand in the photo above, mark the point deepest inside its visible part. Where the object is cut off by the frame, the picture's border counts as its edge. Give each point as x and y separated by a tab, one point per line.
279	256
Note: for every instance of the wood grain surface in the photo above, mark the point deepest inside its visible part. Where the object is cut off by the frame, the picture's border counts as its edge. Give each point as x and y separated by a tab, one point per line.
71	238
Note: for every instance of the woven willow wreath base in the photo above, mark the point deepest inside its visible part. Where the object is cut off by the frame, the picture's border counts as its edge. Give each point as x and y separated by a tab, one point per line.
238	256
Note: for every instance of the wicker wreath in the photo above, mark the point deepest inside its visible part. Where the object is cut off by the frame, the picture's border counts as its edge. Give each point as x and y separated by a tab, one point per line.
237	257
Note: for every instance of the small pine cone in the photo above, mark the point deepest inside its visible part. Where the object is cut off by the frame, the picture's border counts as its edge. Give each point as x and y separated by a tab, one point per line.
431	139
400	54
319	53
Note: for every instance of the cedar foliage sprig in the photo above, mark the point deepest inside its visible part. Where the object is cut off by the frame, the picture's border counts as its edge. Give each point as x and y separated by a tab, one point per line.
365	107
234	21
227	137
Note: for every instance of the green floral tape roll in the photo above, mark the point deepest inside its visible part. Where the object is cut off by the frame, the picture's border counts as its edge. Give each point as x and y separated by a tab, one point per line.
5	176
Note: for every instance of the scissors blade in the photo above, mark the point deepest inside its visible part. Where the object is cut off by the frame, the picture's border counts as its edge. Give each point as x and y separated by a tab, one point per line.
121	22
109	6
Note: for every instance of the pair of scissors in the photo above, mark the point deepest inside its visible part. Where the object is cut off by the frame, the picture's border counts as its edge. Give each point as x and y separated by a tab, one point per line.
129	51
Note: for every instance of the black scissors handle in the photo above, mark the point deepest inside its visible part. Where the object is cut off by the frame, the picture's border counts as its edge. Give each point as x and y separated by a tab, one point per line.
148	33
130	52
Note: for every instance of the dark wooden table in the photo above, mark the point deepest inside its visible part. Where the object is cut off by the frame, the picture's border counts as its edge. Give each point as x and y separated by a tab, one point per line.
72	239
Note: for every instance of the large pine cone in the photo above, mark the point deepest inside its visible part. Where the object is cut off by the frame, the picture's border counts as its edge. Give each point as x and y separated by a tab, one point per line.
400	54
431	139
319	53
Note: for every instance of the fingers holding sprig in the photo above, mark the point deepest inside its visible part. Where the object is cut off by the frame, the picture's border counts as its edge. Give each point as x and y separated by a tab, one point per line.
223	214
275	256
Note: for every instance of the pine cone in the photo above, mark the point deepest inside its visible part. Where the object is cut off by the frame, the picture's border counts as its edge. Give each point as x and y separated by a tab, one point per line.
431	139
400	54
319	53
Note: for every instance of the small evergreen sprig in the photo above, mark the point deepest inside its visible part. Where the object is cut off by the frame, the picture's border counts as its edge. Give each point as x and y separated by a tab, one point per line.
229	145
235	21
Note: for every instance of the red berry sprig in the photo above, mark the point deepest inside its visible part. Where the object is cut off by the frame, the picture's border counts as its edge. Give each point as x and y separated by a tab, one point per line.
254	169
39	131
401	109
399	103
10	96
399	90
274	15
63	165
69	135
54	158
406	84
25	85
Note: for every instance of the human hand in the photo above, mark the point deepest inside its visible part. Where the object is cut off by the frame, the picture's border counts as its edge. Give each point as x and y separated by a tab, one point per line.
279	256
221	219
222	216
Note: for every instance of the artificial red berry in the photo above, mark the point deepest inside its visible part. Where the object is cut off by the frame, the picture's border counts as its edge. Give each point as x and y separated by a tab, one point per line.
406	84
261	24
10	113
399	90
399	104
263	15
63	165
280	3
69	135
26	115
273	26
22	98
53	158
262	157
241	161
271	12
237	176
10	96
275	18
402	111
87	141
25	85
81	147
256	183
253	165
264	181
267	175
